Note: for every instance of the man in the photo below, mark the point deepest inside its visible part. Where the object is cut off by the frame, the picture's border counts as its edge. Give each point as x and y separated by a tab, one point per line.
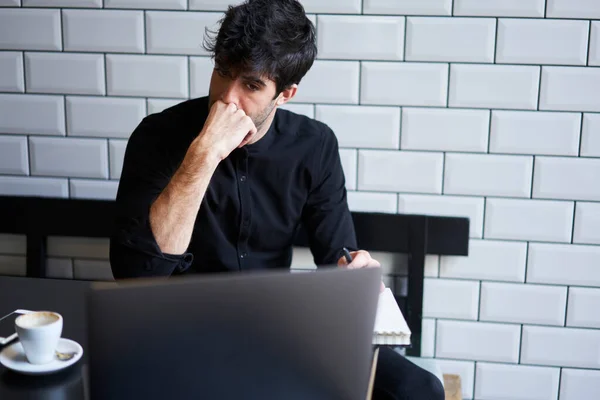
221	183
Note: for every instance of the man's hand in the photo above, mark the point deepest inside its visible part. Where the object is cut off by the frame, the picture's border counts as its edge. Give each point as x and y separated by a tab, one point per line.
360	259
226	128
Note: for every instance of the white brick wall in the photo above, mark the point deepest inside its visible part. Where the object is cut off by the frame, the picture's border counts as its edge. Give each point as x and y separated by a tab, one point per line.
483	109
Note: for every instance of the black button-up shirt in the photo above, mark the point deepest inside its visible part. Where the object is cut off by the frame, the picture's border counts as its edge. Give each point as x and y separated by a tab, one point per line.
254	204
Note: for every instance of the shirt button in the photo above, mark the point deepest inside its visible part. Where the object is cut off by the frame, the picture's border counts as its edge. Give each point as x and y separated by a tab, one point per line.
243	178
243	255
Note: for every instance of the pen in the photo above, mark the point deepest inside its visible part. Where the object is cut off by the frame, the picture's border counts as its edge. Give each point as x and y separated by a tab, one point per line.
347	255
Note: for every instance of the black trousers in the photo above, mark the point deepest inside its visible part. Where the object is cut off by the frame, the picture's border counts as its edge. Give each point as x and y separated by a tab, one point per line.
397	378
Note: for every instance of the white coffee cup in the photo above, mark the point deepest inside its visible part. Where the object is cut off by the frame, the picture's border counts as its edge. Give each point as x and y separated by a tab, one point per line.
39	333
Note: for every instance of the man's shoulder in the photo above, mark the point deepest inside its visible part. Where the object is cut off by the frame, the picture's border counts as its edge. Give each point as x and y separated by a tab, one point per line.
303	127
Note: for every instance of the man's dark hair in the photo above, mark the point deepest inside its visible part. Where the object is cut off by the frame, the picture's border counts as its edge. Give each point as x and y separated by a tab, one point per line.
270	37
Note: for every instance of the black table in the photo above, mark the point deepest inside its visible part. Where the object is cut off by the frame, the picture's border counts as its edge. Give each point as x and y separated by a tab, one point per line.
66	297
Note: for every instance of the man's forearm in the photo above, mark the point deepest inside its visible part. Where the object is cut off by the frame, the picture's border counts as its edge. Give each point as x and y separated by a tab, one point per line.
173	213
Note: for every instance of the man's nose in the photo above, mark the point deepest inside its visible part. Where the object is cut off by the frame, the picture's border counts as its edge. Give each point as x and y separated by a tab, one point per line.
231	94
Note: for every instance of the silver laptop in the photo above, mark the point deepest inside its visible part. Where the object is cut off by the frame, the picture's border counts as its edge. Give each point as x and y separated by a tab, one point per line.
260	335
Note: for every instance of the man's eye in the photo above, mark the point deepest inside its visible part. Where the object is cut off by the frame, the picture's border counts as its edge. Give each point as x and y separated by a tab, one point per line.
253	87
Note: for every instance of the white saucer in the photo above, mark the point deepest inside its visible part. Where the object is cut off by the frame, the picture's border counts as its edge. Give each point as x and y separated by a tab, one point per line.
13	358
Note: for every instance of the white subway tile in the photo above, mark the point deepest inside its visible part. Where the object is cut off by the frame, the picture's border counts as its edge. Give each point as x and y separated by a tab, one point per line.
408	7
481	341
488	260
13	265
410	84
22	29
573	9
523	303
116	154
488	175
147	4
500	8
59	268
348	158
464	369
563	264
427	337
360	37
63	3
425	171
106	30
518	382
178	32
64	73
209	5
372	202
444	129
561	347
539	41
590	140
93	189
566	178
103	116
570	89
432	266
10	3
13	244
583	307
438	292
14	155
158	105
543	220
11	65
302	109
137	75
32	114
577	384
69	157
92	270
450	39
535	132
587	223
29	186
330	82
594	56
449	206
363	126
201	69
494	86
329	6
63	246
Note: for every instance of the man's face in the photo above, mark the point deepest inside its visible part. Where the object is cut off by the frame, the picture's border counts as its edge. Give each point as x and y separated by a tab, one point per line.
252	93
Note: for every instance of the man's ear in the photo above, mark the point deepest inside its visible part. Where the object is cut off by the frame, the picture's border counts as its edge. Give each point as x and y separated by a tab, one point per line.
287	94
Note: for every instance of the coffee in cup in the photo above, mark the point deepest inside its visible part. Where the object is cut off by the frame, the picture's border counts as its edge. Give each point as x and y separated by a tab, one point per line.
39	333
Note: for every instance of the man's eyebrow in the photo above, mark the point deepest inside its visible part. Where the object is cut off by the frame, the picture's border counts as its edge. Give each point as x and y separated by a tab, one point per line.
254	79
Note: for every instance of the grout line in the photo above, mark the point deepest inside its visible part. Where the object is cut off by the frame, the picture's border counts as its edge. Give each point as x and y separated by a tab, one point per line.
489	136
28	156
105	75
435	332
589	45
573	223
532	178
448	85
62	30
443	171
545	8
65	117
357	171
580	134
24	73
189	77
560	372
479	307
520	345
566	306
108	156
144	16
360	67
474	377
405	38
452	6
526	263
485	199
496	41
539	88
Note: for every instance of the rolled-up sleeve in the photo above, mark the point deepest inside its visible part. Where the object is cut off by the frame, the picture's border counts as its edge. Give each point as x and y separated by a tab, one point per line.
326	217
148	166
